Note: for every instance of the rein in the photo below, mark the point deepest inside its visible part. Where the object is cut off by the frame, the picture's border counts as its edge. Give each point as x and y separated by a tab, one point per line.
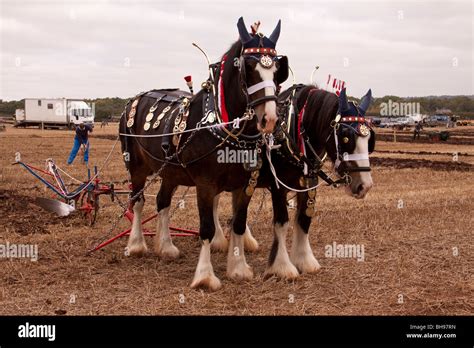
169	159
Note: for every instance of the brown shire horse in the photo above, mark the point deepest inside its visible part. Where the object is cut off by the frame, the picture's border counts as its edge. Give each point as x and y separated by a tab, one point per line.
248	73
307	130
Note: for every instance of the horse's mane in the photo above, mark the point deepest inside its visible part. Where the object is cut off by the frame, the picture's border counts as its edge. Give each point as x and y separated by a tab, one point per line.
233	52
321	109
234	98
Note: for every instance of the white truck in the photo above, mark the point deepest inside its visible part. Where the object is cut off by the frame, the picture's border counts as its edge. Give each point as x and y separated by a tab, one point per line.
54	113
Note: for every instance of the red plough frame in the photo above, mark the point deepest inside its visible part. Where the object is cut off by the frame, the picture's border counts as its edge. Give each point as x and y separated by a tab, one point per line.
86	197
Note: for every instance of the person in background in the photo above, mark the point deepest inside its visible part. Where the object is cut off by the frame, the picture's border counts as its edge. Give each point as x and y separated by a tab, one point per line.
417	130
81	139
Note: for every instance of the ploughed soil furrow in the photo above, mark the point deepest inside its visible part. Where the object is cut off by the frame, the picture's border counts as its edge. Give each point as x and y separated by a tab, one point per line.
402	163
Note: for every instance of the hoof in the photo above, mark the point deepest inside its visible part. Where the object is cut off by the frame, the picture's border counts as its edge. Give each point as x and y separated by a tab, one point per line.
306	264
207	281
241	272
167	252
136	249
286	272
220	244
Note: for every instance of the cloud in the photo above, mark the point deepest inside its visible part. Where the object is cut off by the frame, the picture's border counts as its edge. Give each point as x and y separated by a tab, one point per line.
90	49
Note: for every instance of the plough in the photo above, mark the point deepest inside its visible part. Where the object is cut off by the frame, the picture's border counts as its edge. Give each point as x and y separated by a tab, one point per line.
85	198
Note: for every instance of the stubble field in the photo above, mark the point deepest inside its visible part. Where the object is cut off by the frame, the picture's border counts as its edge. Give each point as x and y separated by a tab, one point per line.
415	225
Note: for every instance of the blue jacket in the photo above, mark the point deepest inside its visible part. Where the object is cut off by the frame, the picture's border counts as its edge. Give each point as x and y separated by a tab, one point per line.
83	134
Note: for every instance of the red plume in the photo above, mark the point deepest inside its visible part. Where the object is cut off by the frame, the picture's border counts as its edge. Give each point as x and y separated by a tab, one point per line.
189	83
255	27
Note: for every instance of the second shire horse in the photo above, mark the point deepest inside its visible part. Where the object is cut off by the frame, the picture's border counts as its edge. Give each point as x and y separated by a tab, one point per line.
314	124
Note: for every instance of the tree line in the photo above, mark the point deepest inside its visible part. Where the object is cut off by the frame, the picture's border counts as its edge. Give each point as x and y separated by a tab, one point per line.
459	105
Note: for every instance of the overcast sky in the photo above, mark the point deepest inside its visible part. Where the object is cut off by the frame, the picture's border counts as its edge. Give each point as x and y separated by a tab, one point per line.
92	49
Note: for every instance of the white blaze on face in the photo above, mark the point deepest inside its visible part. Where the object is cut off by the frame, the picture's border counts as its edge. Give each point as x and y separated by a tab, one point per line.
270	106
364	178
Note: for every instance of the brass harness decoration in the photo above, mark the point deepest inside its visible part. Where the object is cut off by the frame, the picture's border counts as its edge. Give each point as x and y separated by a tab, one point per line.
161	116
132	113
151	115
308	182
249	190
212	115
310	203
364	130
180	121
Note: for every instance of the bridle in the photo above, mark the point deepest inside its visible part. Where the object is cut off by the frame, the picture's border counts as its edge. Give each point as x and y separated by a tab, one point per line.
266	58
355	125
309	160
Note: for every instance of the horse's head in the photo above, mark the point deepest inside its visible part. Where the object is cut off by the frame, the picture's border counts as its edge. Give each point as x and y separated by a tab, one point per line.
354	140
261	71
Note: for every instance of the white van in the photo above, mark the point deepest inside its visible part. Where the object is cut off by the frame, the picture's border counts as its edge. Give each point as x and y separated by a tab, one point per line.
54	113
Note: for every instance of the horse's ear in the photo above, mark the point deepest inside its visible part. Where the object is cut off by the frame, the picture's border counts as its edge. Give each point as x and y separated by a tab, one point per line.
365	101
243	33
276	33
343	104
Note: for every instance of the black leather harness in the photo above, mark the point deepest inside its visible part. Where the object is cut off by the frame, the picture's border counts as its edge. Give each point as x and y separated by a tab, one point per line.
238	140
288	111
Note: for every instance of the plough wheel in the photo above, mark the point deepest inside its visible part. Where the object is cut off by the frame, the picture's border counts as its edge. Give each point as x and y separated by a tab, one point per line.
90	207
